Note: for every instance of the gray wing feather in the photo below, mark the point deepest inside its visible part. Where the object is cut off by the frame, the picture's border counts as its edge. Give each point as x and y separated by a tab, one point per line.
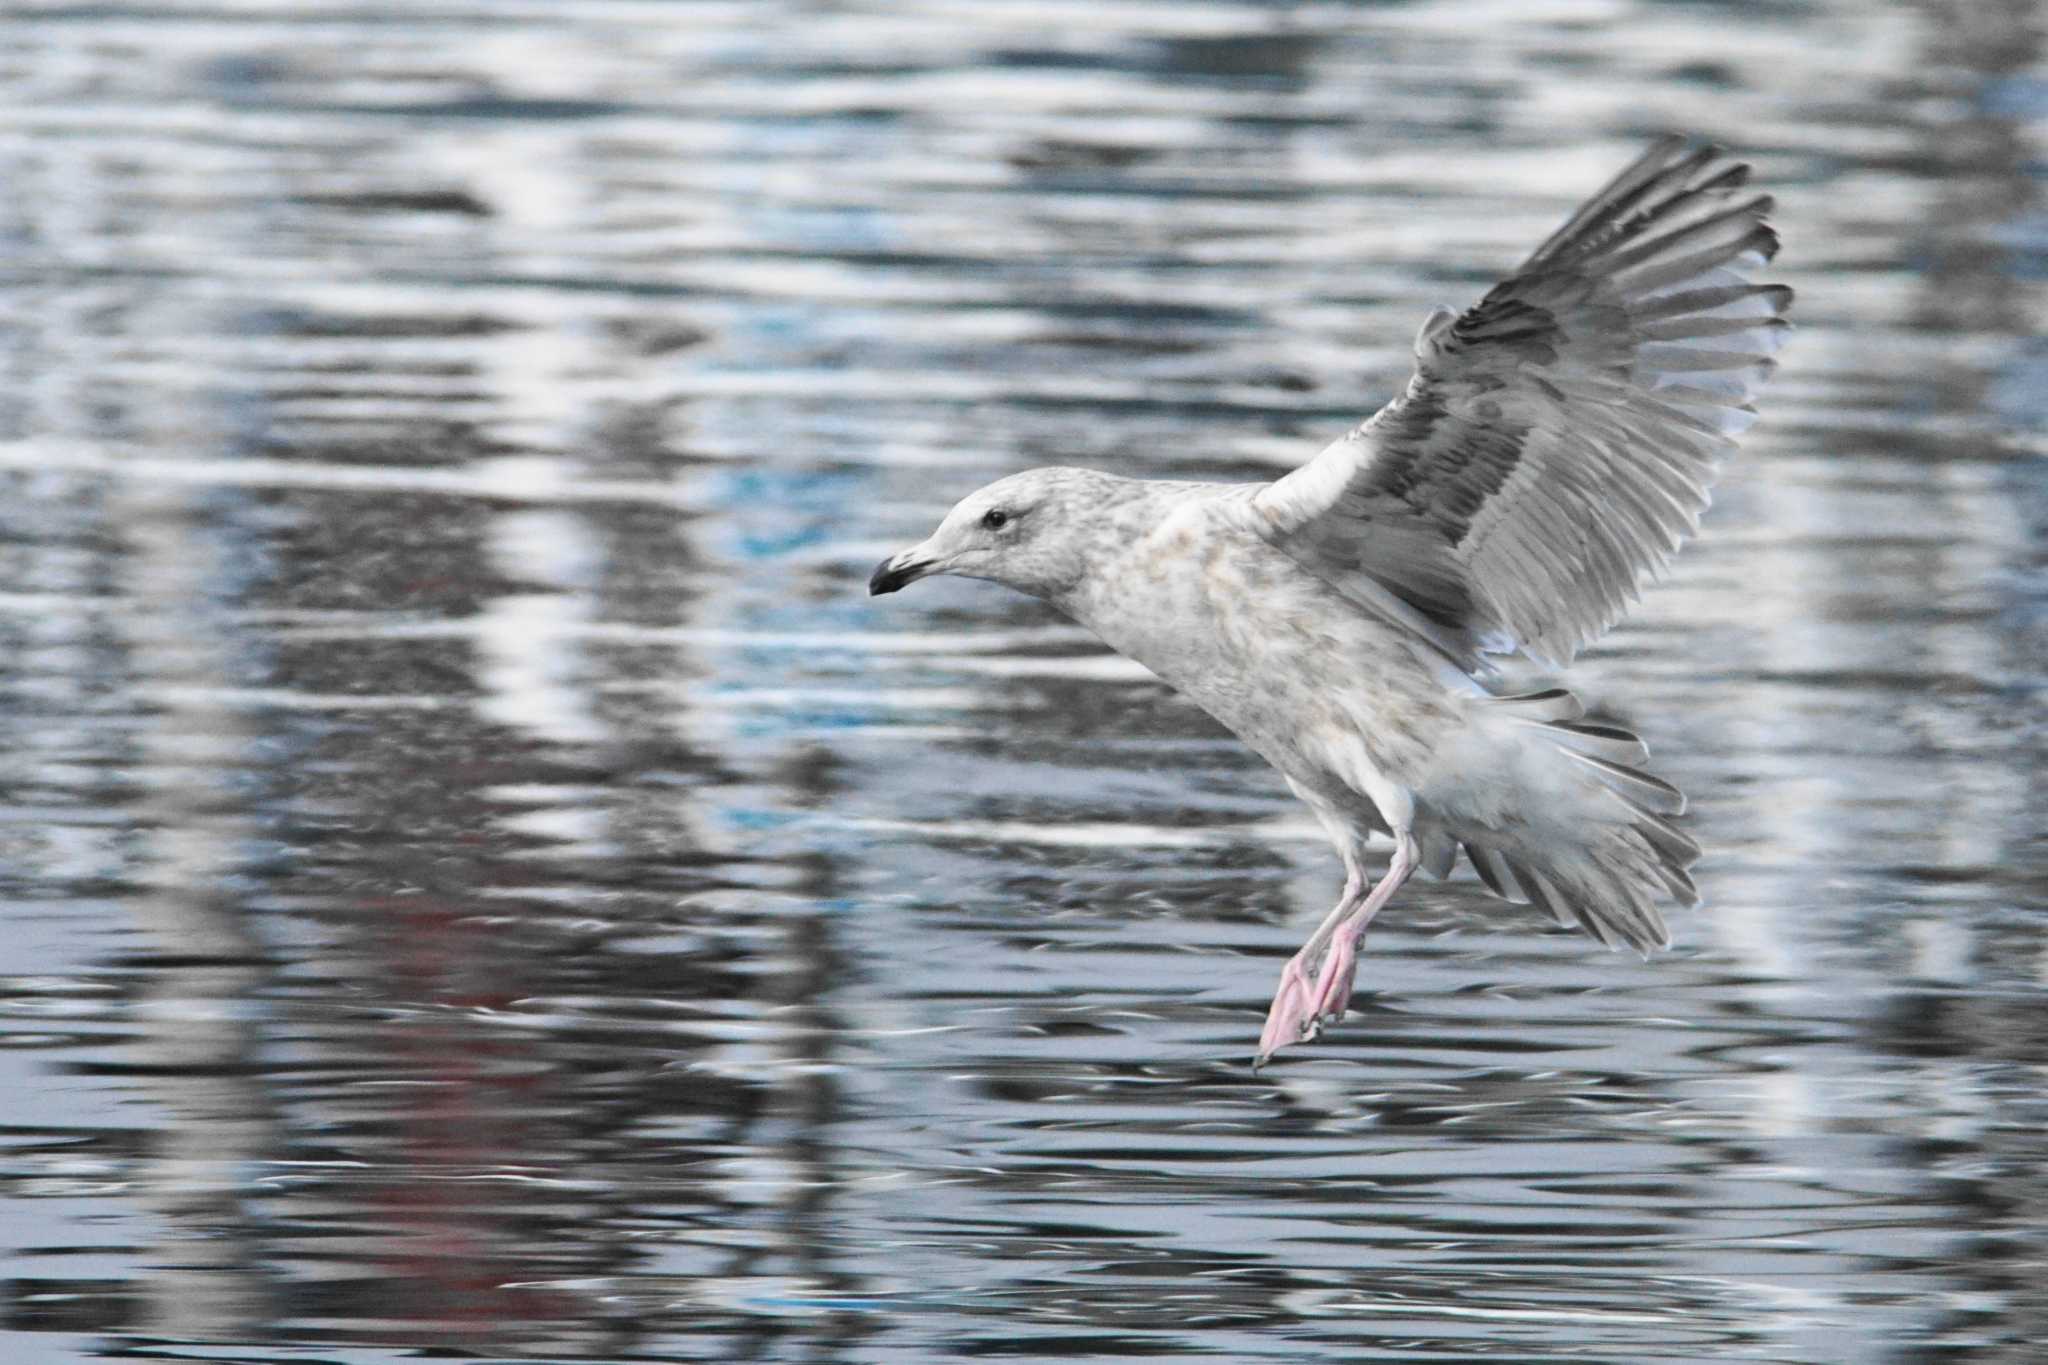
1558	440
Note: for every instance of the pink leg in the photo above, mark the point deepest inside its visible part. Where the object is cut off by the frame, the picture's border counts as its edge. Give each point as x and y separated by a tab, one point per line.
1299	1005
1292	1016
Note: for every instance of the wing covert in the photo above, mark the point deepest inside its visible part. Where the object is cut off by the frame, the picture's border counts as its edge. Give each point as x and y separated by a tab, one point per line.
1558	440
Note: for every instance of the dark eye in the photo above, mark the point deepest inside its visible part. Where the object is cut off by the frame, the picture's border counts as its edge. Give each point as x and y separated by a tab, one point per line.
995	518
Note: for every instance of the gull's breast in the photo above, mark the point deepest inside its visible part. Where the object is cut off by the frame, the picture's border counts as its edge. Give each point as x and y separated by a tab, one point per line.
1318	688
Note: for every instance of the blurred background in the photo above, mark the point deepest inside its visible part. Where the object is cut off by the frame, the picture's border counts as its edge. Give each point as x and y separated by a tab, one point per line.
481	879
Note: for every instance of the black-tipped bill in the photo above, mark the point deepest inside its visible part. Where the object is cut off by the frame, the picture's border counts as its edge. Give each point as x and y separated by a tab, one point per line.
889	575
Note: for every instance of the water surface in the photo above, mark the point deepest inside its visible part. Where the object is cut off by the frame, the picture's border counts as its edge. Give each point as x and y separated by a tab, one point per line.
481	880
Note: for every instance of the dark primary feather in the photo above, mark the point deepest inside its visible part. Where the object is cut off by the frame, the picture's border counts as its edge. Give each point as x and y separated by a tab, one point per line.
1559	438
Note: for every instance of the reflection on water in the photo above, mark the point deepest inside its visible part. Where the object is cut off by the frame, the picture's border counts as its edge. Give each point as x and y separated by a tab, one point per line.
480	878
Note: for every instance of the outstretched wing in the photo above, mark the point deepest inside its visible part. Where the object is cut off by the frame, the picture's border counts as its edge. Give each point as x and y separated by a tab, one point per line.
1558	440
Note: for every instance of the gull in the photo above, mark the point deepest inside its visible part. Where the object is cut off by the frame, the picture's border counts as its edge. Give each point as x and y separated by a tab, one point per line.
1554	448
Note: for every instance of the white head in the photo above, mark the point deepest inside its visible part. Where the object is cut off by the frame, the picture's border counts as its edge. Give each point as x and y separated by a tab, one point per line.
1035	532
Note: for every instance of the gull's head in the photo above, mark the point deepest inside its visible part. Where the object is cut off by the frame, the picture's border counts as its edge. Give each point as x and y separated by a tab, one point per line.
1032	532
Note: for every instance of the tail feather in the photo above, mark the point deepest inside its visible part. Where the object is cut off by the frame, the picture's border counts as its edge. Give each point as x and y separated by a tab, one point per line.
1545	895
1493	869
1607	743
1439	853
1679	883
1673	846
1618	916
1626	906
1633	785
1550	705
1598	848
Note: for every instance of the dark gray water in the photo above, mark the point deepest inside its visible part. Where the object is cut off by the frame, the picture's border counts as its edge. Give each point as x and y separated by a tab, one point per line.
481	880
